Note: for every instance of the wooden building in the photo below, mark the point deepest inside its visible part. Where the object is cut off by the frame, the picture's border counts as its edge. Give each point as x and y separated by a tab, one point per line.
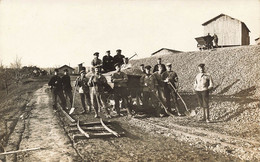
230	31
164	51
70	69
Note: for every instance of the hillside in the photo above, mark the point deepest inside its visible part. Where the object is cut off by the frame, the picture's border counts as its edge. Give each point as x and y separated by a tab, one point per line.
235	70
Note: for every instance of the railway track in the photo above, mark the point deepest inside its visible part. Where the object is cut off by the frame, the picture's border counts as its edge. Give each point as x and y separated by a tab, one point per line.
240	147
83	130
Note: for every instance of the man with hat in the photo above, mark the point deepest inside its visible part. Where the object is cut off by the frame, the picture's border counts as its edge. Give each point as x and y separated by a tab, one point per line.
56	88
118	58
159	62
98	82
82	82
170	79
150	85
203	84
120	88
108	62
67	86
96	61
161	95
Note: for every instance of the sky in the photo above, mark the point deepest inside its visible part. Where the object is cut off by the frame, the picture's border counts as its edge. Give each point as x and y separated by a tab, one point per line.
47	33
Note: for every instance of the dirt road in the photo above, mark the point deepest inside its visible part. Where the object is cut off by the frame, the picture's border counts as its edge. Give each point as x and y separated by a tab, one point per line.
42	128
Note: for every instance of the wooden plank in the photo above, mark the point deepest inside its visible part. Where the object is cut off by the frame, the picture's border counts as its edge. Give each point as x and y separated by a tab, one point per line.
108	129
88	124
82	131
87	129
18	151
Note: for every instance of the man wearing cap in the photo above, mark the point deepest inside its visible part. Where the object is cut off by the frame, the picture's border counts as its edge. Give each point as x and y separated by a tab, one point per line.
67	86
150	85
56	88
96	61
82	82
170	79
118	58
159	62
203	84
161	87
108	62
120	88
97	81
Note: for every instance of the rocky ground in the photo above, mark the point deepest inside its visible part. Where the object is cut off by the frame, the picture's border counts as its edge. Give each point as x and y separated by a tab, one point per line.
145	139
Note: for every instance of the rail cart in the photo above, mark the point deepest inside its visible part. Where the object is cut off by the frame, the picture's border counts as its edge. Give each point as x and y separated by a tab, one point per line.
205	42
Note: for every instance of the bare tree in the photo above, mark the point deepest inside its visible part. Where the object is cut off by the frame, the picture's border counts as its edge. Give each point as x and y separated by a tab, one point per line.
16	65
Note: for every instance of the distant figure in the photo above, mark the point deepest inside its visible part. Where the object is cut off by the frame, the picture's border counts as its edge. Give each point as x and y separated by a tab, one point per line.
118	58
215	40
56	88
209	43
108	62
159	62
142	68
67	86
96	61
203	84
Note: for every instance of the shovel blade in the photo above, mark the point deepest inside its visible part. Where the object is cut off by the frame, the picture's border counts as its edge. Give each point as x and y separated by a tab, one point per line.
193	113
71	110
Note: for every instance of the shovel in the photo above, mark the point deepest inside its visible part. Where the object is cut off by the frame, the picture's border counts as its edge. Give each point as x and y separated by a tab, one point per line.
73	108
187	112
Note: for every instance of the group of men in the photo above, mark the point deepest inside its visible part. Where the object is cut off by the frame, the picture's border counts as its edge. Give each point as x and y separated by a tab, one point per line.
157	88
108	62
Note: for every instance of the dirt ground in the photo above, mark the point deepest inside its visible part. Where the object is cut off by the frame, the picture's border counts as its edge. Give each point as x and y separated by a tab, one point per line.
40	127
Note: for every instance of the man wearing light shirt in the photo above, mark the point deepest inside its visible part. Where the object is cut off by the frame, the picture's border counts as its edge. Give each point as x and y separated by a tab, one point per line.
203	84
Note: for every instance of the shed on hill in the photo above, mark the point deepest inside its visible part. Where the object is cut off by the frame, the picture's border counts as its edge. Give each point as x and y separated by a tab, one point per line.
70	69
257	41
164	51
230	31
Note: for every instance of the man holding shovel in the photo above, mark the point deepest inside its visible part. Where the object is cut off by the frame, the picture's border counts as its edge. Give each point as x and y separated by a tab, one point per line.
97	81
170	88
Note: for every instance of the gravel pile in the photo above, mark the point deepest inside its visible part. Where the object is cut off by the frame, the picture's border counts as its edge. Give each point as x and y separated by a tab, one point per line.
234	105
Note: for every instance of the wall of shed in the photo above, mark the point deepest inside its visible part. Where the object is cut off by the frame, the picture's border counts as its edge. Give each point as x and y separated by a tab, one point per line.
245	35
228	30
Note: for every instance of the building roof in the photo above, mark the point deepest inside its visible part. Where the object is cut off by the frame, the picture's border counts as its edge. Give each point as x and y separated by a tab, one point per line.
174	51
66	66
215	18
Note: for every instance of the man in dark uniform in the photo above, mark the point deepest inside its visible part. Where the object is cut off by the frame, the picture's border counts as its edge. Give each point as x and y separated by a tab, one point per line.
161	86
120	88
82	82
108	62
150	85
96	61
118	58
159	62
56	88
98	82
171	79
67	86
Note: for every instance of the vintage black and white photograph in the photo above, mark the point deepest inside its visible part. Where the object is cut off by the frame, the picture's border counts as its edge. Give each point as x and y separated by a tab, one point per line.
129	80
